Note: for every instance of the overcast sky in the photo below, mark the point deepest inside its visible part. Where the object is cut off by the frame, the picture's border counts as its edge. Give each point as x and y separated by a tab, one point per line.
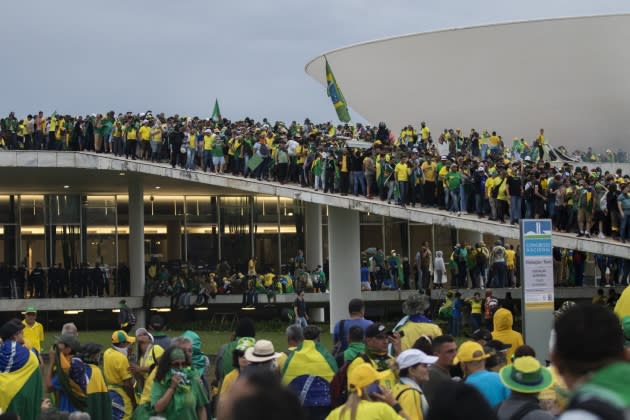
177	56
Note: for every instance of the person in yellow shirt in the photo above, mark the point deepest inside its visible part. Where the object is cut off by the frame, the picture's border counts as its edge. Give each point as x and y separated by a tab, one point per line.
118	375
148	357
429	173
131	136
494	142
539	143
144	132
502	198
367	400
510	262
156	140
33	330
425	133
475	309
413	366
401	174
239	362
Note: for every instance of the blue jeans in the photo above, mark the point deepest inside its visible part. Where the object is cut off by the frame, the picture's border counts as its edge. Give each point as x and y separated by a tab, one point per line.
454	200
454	326
515	208
402	188
463	199
358	180
529	209
499	274
190	158
207	161
301	321
484	151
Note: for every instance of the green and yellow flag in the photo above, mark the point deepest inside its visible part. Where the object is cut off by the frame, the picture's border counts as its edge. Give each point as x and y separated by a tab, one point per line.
334	92
22	390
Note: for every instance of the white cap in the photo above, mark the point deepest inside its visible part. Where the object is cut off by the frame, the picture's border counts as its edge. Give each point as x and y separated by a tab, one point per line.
412	357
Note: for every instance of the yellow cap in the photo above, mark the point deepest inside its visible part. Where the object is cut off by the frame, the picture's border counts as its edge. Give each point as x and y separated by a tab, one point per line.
470	351
364	375
119	337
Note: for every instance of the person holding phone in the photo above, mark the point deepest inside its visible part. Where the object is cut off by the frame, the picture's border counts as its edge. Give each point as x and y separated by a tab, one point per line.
367	399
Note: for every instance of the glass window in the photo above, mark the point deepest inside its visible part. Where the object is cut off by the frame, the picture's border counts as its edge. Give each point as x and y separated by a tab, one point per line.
32	242
8	231
64	209
235	222
100	221
201	209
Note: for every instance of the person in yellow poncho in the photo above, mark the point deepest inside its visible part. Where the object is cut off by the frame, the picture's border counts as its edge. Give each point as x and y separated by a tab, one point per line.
622	308
503	331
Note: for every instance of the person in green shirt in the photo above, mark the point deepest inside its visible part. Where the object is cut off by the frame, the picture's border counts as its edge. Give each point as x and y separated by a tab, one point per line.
282	163
356	346
177	391
453	181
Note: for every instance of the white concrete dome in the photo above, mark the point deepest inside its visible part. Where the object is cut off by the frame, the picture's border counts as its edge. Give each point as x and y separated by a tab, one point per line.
569	76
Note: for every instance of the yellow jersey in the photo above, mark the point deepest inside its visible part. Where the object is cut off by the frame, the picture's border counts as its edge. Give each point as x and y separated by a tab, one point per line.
34	335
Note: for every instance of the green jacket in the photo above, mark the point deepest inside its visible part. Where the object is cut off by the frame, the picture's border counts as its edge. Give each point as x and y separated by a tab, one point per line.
609	384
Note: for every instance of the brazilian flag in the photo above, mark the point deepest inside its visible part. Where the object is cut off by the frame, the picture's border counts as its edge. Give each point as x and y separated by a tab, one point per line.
22	388
336	96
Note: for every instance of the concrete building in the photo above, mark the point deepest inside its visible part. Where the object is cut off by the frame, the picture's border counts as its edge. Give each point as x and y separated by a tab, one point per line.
568	76
77	207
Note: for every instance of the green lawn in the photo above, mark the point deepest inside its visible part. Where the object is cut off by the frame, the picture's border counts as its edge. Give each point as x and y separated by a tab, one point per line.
211	340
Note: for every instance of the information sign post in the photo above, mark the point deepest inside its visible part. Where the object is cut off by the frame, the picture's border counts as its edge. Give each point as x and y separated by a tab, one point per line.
537	300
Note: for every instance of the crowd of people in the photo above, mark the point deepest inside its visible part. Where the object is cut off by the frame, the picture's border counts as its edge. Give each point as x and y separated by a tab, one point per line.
411	371
473	173
464	266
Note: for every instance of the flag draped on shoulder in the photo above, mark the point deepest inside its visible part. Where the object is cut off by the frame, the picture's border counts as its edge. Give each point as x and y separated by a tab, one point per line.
20	381
336	96
216	112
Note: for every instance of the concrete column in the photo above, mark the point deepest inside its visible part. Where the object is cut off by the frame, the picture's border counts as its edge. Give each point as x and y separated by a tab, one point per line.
313	235
136	243
471	237
344	258
173	240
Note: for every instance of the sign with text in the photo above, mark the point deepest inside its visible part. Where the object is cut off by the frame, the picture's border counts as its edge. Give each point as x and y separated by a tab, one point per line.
537	264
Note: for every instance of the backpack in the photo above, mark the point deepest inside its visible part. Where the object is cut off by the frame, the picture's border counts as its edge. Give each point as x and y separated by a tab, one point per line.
481	258
524	410
311	390
341	344
339	383
599	408
495	189
264	150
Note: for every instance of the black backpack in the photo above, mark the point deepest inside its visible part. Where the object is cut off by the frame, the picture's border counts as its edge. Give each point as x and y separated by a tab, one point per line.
339	383
264	150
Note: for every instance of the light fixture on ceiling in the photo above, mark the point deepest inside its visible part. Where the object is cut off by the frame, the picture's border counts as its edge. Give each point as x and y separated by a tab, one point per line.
157	187
66	186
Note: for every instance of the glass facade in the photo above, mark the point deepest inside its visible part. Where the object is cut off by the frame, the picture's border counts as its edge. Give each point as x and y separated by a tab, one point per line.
90	229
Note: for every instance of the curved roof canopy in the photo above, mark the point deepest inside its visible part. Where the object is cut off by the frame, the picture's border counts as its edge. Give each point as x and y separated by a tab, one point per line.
570	76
